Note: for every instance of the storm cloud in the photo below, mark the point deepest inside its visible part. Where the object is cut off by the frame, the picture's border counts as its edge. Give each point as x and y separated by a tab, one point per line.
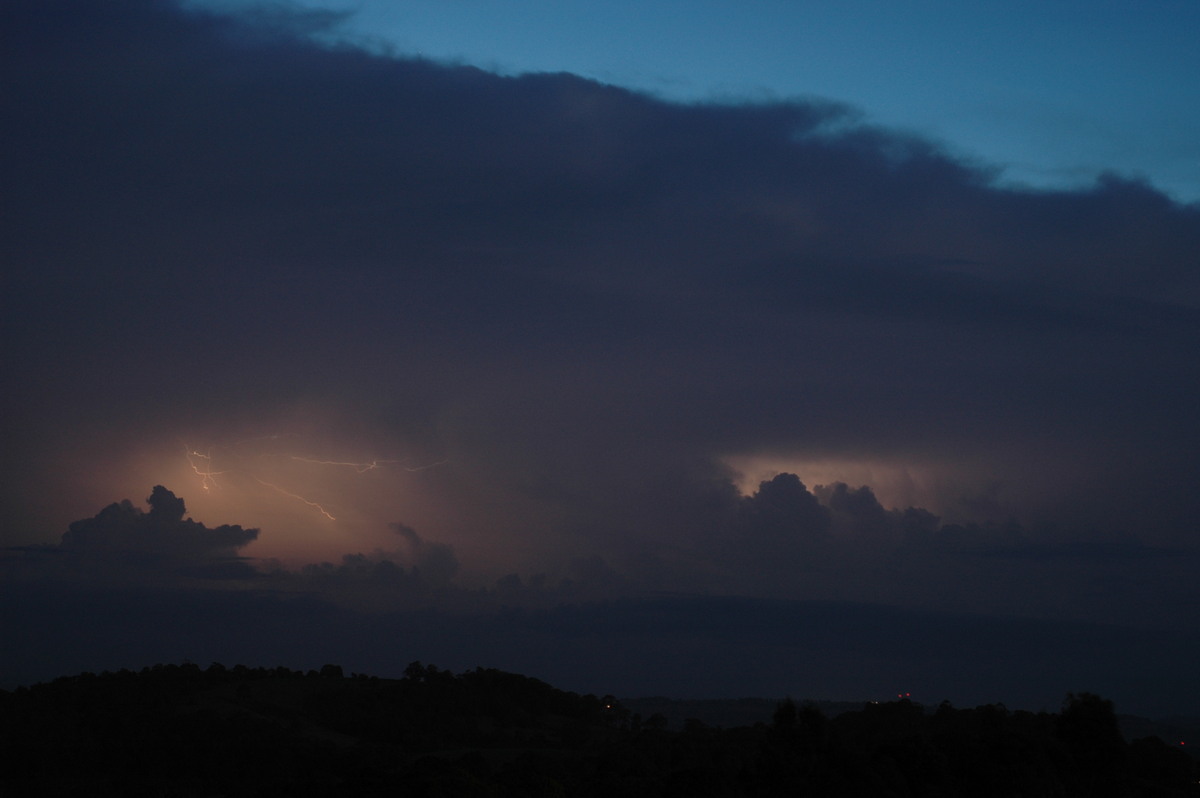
123	544
572	332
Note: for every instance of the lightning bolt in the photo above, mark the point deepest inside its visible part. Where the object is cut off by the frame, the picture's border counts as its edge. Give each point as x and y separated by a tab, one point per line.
361	468
298	497
207	475
425	467
202	464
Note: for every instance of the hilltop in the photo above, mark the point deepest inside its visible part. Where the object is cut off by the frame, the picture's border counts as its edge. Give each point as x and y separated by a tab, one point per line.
186	731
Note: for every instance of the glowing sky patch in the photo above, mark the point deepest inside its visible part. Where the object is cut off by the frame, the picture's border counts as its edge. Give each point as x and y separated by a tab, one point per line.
309	505
896	484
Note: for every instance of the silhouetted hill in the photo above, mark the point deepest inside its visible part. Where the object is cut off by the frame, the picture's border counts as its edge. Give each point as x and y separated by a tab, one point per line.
732	712
181	730
725	713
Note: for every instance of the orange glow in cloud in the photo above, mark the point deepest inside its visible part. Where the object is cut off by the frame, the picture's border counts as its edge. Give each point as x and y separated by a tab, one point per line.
895	484
309	506
318	482
961	488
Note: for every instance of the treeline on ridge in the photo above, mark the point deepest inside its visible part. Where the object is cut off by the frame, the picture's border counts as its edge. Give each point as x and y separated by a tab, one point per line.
187	731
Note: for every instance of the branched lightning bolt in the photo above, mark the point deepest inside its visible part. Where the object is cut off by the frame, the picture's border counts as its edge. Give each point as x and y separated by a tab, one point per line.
298	497
206	474
201	464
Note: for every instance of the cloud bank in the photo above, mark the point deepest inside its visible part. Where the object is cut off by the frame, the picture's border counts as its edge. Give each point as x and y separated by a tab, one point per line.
581	339
122	602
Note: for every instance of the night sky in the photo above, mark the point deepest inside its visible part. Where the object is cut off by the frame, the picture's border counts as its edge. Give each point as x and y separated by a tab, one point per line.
633	390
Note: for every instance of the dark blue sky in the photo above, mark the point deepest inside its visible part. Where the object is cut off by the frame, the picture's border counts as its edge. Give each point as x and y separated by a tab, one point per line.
409	338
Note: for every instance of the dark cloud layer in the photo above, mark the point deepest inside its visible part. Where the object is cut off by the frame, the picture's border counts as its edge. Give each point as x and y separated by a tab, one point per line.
123	544
678	646
124	528
588	305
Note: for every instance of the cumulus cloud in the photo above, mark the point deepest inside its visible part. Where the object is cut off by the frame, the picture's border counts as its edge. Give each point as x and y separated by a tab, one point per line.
435	562
375	582
123	528
123	543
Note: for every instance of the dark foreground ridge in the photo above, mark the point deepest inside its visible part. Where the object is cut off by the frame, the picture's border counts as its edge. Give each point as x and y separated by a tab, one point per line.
181	730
